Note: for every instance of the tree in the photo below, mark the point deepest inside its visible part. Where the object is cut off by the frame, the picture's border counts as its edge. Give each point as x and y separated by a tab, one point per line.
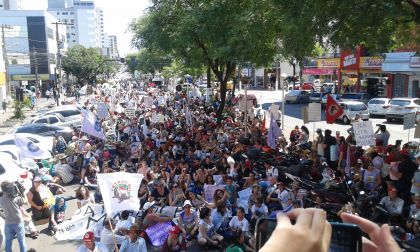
178	70
217	33
85	63
148	61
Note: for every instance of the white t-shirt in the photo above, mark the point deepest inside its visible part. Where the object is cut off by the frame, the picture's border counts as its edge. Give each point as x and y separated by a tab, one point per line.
99	247
262	209
86	201
236	223
284	198
124	224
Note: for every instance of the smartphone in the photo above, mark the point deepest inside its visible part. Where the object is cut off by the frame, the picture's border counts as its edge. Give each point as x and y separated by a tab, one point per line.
344	238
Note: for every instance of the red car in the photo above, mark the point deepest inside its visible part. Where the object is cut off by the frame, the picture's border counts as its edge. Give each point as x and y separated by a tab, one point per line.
307	86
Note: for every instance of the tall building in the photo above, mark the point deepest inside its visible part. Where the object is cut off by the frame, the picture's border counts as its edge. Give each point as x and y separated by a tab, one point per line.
11	4
31	48
85	21
113	47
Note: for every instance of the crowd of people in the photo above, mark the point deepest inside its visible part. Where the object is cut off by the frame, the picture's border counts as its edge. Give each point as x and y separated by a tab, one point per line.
188	148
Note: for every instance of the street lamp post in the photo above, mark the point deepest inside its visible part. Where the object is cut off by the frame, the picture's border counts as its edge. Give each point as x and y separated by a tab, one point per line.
283	76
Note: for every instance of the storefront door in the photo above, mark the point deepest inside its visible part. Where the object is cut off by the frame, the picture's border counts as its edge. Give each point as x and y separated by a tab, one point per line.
398	86
415	91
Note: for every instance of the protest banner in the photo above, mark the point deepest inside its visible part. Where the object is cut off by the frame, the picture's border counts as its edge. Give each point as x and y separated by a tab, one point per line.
158	233
119	191
363	132
130	112
314	112
409	121
102	111
158	118
209	191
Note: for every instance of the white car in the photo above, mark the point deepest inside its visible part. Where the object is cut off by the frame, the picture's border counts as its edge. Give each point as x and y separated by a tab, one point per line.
57	119
378	106
26	163
45	141
12	172
351	109
67	111
398	107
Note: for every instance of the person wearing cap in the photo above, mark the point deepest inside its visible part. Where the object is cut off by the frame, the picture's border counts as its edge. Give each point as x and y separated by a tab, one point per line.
187	221
64	170
176	242
134	243
150	218
90	245
12	203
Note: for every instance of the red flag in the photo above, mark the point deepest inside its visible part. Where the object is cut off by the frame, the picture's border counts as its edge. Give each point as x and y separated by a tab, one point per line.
263	129
333	110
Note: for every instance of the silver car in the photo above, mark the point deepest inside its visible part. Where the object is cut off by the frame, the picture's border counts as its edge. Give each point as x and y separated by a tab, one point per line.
398	107
297	96
353	108
378	106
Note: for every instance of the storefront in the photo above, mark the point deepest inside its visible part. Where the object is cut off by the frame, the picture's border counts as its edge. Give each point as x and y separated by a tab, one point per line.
372	80
349	80
403	69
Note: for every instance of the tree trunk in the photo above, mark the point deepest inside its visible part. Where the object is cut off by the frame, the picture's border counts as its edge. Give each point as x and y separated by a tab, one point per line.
300	71
223	85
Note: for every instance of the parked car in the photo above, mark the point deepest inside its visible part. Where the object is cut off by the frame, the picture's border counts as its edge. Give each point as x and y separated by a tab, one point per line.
307	86
26	163
352	108
57	119
12	172
45	141
297	96
398	107
361	97
378	106
66	111
315	97
336	97
44	130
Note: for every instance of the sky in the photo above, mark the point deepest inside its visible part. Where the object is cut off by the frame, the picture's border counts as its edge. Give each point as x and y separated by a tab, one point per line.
118	14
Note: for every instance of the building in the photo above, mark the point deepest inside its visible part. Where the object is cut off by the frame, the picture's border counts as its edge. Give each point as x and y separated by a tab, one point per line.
85	21
31	48
11	4
113	47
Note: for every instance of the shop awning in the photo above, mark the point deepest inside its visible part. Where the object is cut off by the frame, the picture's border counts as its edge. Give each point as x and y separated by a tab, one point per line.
318	71
399	63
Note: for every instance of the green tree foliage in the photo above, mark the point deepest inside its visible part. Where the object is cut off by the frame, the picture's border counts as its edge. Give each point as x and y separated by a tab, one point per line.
179	70
217	33
86	63
148	61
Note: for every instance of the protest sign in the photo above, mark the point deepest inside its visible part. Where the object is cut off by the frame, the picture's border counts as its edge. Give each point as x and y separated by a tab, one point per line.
409	121
245	193
417	131
244	106
363	132
102	111
314	112
209	191
119	191
243	203
217	179
158	233
158	118
130	112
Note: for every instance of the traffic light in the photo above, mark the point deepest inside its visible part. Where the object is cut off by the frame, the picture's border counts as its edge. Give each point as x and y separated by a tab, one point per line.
122	60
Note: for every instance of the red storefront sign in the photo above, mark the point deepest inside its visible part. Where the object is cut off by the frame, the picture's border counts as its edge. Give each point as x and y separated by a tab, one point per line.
318	71
350	59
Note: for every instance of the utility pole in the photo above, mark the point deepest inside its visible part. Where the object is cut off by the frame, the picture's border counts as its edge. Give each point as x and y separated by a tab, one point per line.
58	60
36	69
6	61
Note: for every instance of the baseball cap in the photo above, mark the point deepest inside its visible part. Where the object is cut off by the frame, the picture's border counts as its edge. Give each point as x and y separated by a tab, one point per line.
174	230
89	236
148	205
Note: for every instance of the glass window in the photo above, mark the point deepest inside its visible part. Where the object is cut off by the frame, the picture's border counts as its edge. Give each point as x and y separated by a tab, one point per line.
2	170
358	107
8	142
50	33
400	102
376	102
351	96
43	120
53	120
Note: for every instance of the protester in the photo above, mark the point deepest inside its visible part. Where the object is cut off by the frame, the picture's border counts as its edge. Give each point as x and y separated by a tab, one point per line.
12	200
207	233
134	243
108	237
188	221
176	241
150	218
84	197
57	214
89	244
41	199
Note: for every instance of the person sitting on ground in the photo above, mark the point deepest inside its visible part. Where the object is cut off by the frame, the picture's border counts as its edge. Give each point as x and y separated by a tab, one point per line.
176	241
126	221
220	220
134	243
41	199
84	197
90	178
238	243
393	204
30	228
57	214
63	170
187	221
206	232
150	218
414	216
109	237
89	244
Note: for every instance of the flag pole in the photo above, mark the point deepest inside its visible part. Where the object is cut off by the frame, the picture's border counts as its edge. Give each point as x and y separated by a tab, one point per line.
113	235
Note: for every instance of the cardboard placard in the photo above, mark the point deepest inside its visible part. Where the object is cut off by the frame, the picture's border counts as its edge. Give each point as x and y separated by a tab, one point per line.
130	112
314	112
363	132
409	121
102	111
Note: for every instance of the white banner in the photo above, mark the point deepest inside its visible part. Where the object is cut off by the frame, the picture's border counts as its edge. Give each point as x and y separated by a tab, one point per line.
30	149
119	191
130	112
363	132
92	126
314	112
91	217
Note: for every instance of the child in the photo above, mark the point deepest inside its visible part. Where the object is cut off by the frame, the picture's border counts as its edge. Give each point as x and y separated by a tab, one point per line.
30	228
57	214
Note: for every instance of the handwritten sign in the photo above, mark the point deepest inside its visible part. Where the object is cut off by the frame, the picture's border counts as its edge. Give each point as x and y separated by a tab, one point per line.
209	191
147	101
314	112
244	106
409	121
102	111
363	132
158	118
130	112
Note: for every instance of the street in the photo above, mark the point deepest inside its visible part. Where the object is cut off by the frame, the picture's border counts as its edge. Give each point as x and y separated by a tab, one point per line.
293	117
